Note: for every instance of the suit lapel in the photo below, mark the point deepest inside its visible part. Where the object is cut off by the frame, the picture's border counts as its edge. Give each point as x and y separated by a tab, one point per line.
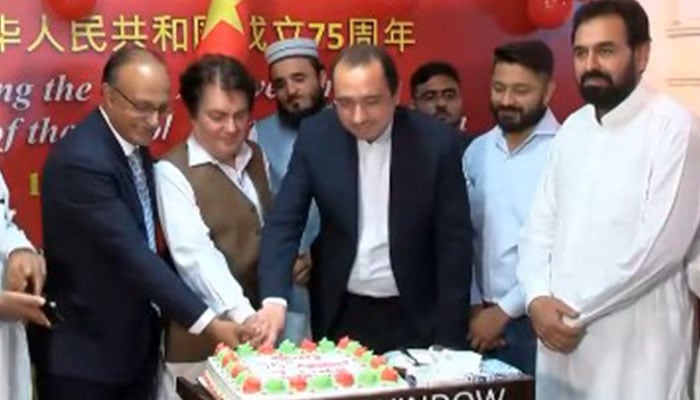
404	160
349	183
123	172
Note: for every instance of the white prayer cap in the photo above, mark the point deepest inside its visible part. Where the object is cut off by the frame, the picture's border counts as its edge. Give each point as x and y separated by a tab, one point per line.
294	47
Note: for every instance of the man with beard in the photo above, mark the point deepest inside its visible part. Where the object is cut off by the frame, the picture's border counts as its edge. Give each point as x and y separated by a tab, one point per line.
502	168
435	91
297	78
614	225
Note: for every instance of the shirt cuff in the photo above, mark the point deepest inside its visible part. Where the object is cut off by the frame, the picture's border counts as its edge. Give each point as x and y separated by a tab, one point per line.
532	296
513	303
240	314
475	297
275	300
202	322
16	242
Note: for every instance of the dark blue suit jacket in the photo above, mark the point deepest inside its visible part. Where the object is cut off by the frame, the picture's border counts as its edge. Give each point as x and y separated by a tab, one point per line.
429	226
101	271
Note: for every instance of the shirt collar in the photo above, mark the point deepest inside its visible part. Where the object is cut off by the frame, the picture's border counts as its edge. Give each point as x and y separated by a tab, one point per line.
383	139
626	110
127	147
198	155
547	126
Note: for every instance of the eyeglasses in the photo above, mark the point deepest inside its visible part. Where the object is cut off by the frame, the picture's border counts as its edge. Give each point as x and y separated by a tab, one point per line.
145	110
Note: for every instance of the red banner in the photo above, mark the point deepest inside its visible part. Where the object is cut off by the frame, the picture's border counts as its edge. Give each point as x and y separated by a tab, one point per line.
52	67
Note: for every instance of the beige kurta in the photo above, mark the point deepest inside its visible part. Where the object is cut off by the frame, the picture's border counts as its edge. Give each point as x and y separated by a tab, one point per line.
611	225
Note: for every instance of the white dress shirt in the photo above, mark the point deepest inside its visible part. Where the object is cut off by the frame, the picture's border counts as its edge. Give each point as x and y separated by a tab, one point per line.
501	186
371	273
200	263
128	148
610	234
15	375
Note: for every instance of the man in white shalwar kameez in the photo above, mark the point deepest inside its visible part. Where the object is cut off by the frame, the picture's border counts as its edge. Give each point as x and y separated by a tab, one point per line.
604	250
21	270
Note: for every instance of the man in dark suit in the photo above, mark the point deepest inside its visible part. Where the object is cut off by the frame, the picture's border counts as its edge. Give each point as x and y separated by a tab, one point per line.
99	235
392	260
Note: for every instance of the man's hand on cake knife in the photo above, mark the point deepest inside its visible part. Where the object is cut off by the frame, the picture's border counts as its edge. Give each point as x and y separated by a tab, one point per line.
260	329
273	313
228	332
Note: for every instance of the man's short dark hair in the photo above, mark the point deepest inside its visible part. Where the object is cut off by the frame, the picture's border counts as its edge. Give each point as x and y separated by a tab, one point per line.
225	72
428	70
531	54
630	11
362	54
124	56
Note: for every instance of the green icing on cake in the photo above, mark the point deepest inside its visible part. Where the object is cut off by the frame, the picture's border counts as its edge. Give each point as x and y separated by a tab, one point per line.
326	346
245	350
321	382
275	386
287	347
241	378
228	367
368	378
352	346
366	358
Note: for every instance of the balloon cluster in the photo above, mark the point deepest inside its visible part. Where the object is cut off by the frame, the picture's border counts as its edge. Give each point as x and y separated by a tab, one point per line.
71	10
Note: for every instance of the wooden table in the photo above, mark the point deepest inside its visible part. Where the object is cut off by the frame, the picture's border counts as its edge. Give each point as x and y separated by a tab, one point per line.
521	389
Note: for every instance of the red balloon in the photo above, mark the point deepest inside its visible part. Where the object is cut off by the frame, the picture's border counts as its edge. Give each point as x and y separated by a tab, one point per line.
72	9
512	19
549	13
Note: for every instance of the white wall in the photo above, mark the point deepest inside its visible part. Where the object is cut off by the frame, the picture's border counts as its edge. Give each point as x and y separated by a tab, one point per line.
675	51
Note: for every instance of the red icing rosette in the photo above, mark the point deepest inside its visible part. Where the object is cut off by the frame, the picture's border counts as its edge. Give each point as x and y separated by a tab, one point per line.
377	361
251	385
343	342
344	378
230	356
298	383
360	351
219	347
308	345
389	374
236	369
266	349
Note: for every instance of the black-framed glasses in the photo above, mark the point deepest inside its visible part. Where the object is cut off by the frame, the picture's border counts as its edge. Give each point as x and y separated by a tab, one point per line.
143	109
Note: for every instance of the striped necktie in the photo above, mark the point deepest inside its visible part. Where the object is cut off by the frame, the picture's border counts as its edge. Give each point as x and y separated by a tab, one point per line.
136	166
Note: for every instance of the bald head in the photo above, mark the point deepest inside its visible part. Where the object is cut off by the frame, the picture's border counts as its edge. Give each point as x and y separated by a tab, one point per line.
136	92
125	56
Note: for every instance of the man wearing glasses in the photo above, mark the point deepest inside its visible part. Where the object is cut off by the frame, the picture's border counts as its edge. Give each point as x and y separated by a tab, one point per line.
435	91
213	193
105	274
